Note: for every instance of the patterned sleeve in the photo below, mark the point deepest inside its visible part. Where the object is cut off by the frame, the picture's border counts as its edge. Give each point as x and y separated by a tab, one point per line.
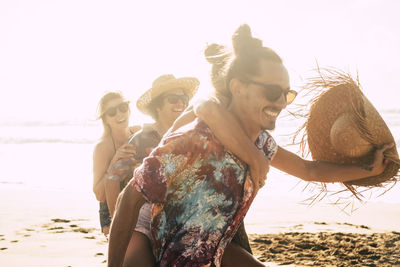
267	144
166	161
123	168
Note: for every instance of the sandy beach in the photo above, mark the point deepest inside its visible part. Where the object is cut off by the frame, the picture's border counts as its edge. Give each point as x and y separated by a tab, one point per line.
328	249
68	242
60	228
49	217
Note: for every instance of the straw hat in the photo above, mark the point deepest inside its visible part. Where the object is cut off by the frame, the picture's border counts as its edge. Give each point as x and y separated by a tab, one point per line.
163	84
344	127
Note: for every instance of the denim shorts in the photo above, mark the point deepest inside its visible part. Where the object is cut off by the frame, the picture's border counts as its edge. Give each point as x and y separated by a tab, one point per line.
144	220
104	214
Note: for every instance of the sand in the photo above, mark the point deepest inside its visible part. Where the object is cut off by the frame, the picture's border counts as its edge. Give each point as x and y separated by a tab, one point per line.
328	249
40	227
60	228
58	242
69	242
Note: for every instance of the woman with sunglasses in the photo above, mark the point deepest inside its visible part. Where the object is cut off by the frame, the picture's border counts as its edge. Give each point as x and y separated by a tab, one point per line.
114	113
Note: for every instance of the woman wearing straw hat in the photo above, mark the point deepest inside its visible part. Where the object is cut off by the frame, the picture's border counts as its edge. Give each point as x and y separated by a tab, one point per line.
200	192
164	102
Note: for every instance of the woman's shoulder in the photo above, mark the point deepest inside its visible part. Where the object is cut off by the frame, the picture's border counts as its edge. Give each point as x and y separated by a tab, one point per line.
105	145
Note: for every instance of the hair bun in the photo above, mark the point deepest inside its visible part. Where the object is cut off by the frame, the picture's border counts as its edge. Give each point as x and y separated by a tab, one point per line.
243	42
216	54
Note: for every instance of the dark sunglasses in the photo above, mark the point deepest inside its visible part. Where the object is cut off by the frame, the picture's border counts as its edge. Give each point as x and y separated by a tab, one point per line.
273	92
123	107
173	98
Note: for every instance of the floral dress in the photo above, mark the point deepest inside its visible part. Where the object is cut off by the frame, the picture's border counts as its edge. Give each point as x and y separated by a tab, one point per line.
200	194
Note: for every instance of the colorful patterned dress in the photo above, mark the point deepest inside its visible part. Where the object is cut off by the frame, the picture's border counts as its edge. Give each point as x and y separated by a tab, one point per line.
200	194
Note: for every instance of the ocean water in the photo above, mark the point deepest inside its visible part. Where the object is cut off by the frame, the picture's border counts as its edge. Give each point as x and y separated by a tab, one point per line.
58	157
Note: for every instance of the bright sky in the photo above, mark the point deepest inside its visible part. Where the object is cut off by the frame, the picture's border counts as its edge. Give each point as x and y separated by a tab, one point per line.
57	57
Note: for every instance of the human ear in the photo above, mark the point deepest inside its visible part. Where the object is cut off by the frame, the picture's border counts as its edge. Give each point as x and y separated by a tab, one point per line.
105	122
158	110
235	87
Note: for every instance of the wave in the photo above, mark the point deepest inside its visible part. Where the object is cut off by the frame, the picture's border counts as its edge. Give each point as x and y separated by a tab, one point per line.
390	113
50	140
47	123
88	132
10	182
50	133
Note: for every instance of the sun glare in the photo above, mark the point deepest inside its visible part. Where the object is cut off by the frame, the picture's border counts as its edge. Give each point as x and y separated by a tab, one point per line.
55	68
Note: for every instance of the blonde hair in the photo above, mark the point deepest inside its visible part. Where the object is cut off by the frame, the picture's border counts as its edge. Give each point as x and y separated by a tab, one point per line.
101	108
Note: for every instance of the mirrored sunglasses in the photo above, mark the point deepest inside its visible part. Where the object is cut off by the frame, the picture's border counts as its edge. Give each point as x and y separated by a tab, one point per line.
111	112
174	99
273	92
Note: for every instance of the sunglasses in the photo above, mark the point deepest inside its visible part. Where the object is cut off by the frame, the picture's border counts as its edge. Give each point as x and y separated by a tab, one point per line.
174	99
111	112
273	92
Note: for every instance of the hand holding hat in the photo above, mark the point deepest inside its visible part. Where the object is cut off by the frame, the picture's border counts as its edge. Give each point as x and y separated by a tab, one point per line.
344	127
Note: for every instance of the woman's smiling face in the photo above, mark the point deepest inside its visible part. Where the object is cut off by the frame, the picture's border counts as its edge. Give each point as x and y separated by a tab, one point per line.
121	118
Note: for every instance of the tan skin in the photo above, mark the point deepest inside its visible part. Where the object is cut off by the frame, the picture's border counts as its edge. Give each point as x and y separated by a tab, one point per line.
253	112
104	154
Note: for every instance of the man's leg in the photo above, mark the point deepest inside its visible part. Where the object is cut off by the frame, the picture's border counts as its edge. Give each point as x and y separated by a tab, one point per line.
242	239
235	255
139	252
238	252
